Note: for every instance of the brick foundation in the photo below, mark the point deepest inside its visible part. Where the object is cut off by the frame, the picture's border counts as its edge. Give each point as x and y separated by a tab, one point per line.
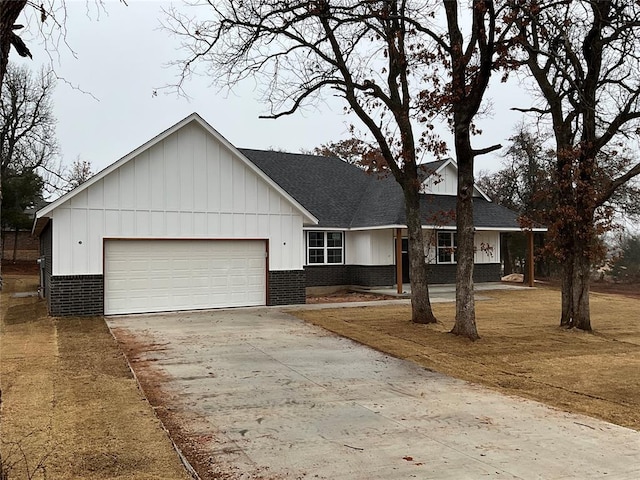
482	272
384	275
287	287
80	295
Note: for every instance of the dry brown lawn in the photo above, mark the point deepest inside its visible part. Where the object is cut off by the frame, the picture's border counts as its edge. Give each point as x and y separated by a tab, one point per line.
70	405
522	351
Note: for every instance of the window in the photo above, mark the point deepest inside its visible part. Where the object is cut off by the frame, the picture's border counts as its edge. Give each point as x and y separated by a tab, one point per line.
447	247
324	247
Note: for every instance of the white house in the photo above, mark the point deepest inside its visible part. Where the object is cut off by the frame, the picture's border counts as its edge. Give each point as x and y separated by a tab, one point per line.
188	221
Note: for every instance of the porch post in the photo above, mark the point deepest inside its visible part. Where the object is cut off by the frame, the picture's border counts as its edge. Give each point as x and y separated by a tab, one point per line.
531	266
399	259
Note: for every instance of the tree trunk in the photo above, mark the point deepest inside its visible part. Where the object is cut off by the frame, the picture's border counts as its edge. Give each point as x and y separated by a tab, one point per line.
580	293
15	244
421	311
465	303
506	254
566	318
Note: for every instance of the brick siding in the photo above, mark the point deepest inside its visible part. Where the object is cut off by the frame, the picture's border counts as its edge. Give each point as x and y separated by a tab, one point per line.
371	275
326	275
80	295
383	275
287	287
482	272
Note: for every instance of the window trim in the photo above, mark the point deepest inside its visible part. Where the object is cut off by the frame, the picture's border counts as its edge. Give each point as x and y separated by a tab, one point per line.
453	243
325	247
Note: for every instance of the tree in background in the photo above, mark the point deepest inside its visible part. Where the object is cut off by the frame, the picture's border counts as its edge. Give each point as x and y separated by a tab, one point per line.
27	125
79	173
363	51
20	193
354	151
522	185
584	57
391	63
625	266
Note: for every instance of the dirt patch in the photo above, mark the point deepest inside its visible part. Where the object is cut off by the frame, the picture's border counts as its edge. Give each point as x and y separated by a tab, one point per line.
631	290
343	296
522	351
20	267
69	401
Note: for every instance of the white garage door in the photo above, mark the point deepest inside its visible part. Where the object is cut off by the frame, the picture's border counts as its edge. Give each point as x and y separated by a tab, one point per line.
164	275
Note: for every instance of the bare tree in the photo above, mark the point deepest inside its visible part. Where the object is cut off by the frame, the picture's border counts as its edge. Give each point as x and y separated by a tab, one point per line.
384	58
584	57
360	50
9	12
27	124
28	144
79	173
469	61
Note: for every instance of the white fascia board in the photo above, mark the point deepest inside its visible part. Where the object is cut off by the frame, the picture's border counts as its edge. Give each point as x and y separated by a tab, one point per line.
510	229
380	227
160	137
435	227
328	229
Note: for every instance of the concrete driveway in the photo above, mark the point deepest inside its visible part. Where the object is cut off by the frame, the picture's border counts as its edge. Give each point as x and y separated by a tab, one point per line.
261	394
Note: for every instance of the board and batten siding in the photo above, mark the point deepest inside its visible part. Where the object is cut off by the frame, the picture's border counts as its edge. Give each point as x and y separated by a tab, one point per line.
189	185
369	247
444	183
489	254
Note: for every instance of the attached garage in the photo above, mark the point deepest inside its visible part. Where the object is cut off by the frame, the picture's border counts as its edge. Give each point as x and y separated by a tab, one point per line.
142	276
184	222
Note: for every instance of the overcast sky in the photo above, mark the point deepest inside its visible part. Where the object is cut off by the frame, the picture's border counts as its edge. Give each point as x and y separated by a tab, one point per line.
121	57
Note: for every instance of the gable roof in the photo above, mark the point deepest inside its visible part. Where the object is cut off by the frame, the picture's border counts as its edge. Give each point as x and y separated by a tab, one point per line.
194	117
341	195
328	187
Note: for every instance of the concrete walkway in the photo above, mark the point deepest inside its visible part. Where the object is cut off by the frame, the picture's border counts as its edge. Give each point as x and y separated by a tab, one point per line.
265	395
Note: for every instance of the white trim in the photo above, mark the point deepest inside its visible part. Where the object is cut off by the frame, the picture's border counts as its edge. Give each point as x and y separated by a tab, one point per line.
317	228
510	229
325	247
194	117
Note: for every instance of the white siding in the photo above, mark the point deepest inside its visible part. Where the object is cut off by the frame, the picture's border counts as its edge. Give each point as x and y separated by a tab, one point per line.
371	247
188	185
444	183
487	246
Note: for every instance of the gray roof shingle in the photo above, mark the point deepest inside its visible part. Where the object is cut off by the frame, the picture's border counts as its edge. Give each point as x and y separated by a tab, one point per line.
343	196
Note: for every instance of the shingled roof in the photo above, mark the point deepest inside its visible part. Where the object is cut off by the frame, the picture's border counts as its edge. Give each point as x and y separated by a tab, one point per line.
344	196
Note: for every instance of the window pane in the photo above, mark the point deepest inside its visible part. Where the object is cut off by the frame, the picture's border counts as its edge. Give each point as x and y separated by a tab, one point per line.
316	255
316	239
444	255
444	239
334	255
334	239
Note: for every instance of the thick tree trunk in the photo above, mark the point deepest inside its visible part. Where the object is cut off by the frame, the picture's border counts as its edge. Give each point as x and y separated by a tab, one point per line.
581	284
575	292
421	311
566	318
465	303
